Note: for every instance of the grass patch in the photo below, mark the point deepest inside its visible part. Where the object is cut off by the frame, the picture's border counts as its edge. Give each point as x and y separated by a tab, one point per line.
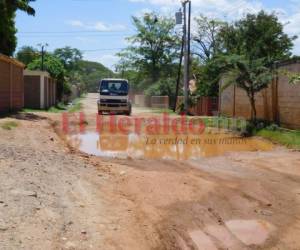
9	125
162	111
289	138
76	106
223	123
60	107
55	109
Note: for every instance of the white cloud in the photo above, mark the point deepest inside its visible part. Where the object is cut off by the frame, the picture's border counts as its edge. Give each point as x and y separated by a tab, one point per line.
234	9
142	11
97	26
292	27
216	7
76	23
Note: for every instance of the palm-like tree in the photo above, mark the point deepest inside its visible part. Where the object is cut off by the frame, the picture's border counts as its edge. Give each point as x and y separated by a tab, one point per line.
23	5
8	31
250	75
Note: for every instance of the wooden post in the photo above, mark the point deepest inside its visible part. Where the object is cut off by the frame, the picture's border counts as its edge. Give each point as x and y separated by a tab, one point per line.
23	87
276	103
275	110
10	87
265	103
220	98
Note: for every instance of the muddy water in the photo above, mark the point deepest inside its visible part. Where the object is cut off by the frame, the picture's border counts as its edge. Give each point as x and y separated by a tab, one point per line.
175	147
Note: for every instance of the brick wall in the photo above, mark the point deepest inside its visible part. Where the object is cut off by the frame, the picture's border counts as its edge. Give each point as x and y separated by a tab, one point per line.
279	102
11	85
289	99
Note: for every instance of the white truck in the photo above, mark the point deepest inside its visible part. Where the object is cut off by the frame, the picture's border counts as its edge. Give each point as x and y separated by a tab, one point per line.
114	97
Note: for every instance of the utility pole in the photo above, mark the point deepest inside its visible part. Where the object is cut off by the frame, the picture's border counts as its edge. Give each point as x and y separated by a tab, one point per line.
187	36
179	74
43	46
185	51
179	17
189	40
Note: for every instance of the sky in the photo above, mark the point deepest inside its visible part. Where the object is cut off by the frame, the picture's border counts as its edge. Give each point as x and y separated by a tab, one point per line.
99	27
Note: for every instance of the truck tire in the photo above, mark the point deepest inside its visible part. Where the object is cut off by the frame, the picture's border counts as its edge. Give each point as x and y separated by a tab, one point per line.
128	113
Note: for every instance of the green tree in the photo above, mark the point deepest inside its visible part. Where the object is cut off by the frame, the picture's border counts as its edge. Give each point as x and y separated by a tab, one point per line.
257	36
8	8
206	47
69	57
91	74
27	54
153	49
54	66
207	75
249	75
206	37
251	47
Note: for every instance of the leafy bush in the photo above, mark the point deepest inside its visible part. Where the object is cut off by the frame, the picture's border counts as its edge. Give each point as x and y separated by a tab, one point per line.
56	69
253	126
9	125
273	127
162	88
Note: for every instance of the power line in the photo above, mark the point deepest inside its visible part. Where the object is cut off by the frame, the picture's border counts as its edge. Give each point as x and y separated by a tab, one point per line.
95	50
84	51
69	32
72	32
74	35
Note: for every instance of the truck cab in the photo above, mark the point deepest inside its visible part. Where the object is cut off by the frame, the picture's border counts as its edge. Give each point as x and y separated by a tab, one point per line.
114	97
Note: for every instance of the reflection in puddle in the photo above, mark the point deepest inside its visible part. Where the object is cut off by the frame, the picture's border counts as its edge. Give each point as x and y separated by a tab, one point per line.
251	232
181	147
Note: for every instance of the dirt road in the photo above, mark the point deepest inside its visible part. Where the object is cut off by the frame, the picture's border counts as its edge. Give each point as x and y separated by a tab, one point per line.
54	197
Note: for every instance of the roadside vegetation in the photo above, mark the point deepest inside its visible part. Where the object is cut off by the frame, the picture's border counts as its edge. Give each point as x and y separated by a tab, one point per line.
67	67
272	132
240	52
72	107
289	138
9	125
76	105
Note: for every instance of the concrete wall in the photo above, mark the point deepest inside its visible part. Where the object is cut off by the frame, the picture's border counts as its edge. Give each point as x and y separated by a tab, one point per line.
151	101
160	102
142	101
11	85
40	90
32	90
289	99
280	102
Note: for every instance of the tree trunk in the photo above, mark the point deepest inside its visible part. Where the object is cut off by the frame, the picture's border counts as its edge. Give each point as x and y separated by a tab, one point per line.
253	108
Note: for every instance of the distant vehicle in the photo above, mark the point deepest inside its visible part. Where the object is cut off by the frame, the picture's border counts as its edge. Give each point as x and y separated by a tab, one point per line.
114	97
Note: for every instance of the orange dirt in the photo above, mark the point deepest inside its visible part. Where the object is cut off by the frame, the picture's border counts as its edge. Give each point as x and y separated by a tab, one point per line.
53	197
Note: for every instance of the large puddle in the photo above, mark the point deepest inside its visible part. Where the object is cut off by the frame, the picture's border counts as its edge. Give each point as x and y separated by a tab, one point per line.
175	147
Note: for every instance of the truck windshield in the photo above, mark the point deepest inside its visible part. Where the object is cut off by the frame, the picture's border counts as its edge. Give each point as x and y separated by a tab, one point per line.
114	88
